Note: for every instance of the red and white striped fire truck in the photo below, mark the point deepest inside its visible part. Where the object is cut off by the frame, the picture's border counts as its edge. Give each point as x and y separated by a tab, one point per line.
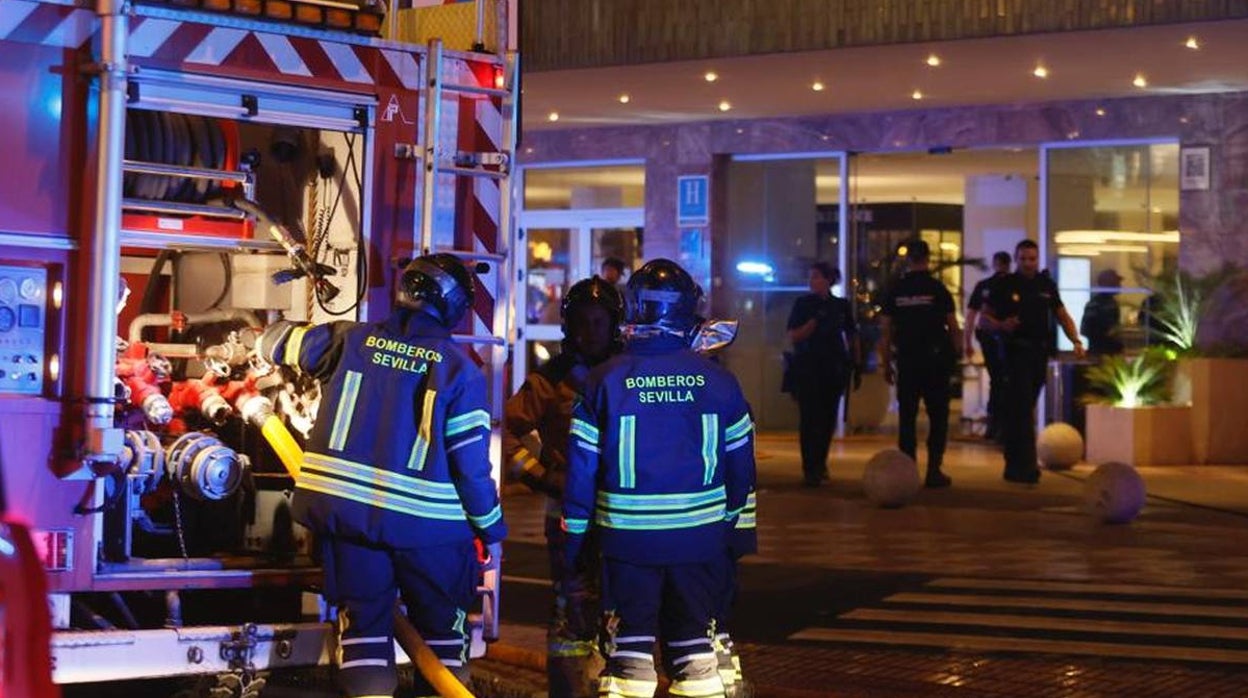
177	174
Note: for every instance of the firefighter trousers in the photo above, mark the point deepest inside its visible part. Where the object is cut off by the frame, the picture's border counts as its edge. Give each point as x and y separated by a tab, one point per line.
437	585
643	603
572	659
729	661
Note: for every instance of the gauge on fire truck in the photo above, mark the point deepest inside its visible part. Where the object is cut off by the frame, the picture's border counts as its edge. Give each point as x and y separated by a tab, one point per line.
23	329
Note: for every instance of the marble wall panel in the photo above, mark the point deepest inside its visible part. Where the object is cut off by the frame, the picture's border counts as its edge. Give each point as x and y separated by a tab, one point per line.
1214	223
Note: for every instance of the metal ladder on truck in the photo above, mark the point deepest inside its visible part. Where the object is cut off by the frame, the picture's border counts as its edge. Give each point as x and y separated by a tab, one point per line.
481	178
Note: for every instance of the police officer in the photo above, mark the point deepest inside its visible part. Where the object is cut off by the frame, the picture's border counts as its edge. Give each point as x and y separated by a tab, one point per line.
825	353
994	352
1102	316
592	312
661	463
1022	308
918	318
396	475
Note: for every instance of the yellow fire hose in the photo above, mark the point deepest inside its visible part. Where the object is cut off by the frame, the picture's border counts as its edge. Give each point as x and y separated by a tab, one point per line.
283	444
442	680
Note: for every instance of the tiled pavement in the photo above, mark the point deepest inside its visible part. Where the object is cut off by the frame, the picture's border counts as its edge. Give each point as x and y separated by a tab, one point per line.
1054	600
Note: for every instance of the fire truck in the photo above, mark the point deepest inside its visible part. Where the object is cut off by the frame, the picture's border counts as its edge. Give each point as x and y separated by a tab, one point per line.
177	175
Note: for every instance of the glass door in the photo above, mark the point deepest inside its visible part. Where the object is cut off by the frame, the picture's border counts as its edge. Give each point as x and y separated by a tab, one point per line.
783	214
562	248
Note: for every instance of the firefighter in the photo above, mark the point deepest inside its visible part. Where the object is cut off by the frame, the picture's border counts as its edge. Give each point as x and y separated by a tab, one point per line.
661	461
591	313
1022	309
825	355
919	319
396	475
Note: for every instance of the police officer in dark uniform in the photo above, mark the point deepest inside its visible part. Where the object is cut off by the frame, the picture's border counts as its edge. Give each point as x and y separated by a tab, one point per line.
1102	316
919	319
825	355
396	478
1022	309
661	461
592	312
994	352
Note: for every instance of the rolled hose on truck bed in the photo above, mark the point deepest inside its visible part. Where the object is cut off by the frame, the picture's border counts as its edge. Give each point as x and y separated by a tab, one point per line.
447	686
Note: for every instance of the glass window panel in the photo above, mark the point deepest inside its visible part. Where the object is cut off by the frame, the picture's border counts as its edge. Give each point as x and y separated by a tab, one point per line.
612	186
623	244
550	271
1115	208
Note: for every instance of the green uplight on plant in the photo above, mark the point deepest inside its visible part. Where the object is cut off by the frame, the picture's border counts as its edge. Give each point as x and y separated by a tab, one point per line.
1131	382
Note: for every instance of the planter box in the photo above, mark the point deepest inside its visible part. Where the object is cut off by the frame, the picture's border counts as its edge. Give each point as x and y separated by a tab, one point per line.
1217	390
1140	436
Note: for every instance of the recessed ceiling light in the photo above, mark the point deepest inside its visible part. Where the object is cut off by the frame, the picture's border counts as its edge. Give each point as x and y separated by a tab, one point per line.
1041	72
1193	43
724	105
1140	81
1100	111
625	99
817	86
711	76
933	60
917	94
553	116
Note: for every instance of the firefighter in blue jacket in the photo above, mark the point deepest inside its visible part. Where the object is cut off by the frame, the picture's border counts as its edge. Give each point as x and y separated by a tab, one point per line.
591	312
661	463
396	474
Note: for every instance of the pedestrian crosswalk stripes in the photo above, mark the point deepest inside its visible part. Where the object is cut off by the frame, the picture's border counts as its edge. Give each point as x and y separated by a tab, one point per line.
1086	588
991	643
1000	620
1187	624
1050	603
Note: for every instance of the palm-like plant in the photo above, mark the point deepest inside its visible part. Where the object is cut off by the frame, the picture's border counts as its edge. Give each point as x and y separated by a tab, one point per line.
1130	382
1177	315
1180	304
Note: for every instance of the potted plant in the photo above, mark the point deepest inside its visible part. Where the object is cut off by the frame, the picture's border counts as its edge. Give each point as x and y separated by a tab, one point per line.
1196	318
1128	419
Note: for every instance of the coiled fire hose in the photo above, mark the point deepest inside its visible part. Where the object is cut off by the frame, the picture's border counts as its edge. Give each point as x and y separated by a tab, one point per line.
442	680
